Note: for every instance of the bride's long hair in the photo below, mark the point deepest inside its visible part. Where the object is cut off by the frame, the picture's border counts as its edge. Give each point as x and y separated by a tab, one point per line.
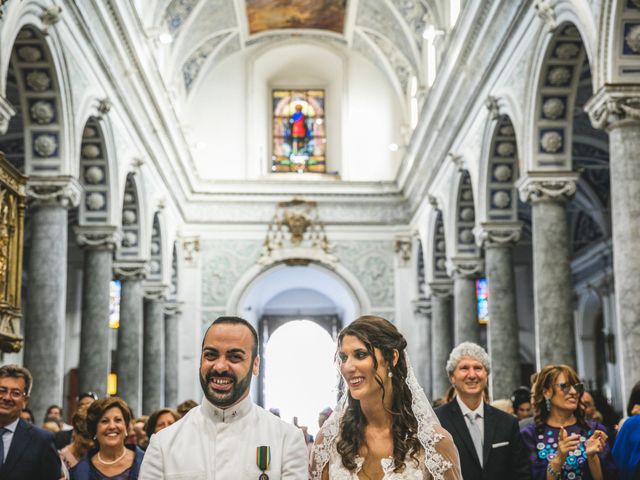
376	332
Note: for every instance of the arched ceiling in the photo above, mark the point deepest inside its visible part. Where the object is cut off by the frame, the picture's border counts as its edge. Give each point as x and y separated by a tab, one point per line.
386	32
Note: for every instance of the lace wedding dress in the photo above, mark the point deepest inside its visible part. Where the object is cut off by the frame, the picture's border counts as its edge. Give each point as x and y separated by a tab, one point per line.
438	459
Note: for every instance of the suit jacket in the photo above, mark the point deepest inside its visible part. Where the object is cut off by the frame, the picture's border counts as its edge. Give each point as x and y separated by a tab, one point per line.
31	455
504	453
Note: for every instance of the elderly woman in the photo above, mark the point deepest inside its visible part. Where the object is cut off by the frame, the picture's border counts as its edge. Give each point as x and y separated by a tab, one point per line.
107	421
561	443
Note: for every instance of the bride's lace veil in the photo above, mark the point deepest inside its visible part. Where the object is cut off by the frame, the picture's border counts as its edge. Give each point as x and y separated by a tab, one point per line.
429	433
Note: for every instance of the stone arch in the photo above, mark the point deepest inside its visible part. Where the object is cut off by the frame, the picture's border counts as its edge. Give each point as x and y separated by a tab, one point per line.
619	43
95	176
499	172
156	251
36	140
130	248
436	250
559	70
174	278
464	218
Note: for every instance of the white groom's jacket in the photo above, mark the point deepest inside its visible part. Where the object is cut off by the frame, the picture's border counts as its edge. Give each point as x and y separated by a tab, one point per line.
209	443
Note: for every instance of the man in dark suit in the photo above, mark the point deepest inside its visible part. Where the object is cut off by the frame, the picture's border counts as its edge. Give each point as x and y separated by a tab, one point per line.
26	451
488	440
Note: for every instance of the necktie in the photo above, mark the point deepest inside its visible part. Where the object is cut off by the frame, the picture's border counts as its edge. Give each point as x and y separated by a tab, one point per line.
2	432
476	436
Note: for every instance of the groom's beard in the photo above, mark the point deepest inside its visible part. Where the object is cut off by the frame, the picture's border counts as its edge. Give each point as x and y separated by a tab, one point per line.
224	399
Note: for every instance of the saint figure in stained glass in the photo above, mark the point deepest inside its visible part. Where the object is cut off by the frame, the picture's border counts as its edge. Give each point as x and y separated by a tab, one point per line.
299	140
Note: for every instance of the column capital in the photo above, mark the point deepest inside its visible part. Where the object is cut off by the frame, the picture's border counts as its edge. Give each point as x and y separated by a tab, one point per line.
614	105
441	288
422	307
130	269
547	186
64	191
173	308
155	291
497	234
6	112
98	237
464	267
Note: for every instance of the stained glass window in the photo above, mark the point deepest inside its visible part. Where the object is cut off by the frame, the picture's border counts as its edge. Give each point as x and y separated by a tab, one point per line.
299	138
482	294
114	303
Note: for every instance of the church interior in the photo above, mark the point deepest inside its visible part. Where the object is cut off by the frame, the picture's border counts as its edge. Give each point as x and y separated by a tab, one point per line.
466	169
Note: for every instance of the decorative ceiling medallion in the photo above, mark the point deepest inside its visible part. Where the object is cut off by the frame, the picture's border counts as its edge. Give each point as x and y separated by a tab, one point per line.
266	15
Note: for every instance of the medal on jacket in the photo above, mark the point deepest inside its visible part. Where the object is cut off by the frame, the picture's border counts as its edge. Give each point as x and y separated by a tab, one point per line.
263	459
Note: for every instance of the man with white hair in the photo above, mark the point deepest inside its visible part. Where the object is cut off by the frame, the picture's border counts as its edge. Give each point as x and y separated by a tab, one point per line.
488	440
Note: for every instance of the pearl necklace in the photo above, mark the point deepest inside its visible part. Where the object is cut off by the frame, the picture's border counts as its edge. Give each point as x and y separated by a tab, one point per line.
113	461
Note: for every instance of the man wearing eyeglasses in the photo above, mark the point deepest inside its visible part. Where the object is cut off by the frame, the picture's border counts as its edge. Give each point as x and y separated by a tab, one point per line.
26	451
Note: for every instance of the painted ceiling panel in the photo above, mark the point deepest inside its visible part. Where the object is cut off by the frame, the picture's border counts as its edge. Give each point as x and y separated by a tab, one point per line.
278	14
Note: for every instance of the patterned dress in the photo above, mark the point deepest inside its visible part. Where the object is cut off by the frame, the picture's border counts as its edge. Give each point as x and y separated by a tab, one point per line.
543	446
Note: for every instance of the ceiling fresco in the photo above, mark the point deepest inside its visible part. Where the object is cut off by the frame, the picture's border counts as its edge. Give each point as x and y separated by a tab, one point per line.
280	14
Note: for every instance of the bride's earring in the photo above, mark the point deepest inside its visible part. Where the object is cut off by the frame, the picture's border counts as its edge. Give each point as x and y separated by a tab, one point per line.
390	374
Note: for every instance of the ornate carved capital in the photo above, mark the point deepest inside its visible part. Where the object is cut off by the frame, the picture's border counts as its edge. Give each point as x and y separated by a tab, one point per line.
441	288
422	308
98	237
403	248
155	291
465	267
173	309
498	234
547	186
614	105
6	112
130	270
63	191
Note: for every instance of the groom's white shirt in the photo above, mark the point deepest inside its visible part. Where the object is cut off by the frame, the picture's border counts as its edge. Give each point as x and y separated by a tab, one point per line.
210	443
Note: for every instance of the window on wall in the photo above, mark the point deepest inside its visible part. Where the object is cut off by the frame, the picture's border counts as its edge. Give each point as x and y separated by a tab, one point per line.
299	138
482	295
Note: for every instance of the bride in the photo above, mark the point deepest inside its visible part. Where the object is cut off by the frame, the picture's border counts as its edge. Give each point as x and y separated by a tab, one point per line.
383	427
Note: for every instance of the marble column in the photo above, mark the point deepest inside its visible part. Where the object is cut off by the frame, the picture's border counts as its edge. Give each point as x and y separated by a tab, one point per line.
129	351
548	193
172	315
464	272
6	112
498	239
441	335
49	199
98	243
423	360
153	350
617	108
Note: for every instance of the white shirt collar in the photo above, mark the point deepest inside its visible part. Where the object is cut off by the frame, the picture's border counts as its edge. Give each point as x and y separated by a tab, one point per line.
12	426
478	411
227	415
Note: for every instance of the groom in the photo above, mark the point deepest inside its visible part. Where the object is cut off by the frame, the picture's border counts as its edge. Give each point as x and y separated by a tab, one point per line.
228	436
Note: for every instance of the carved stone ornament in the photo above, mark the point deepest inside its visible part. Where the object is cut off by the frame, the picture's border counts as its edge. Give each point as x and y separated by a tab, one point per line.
501	199
155	292
502	173
30	54
190	250
94	175
90	150
403	247
98	237
467	214
6	112
441	289
553	108
497	234
422	308
559	76
492	105
63	191
614	105
129	217
130	270
104	106
547	186
95	201
551	142
507	130
42	112
506	149
545	10
45	145
633	39
465	267
567	51
51	15
129	239
38	81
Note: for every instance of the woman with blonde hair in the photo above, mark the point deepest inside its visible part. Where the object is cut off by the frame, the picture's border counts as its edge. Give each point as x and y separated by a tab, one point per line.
562	444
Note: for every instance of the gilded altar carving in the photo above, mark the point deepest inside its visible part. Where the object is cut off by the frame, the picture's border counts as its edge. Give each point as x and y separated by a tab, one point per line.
12	205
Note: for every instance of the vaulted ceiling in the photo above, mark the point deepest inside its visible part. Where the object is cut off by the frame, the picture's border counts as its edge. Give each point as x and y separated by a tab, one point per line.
204	32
